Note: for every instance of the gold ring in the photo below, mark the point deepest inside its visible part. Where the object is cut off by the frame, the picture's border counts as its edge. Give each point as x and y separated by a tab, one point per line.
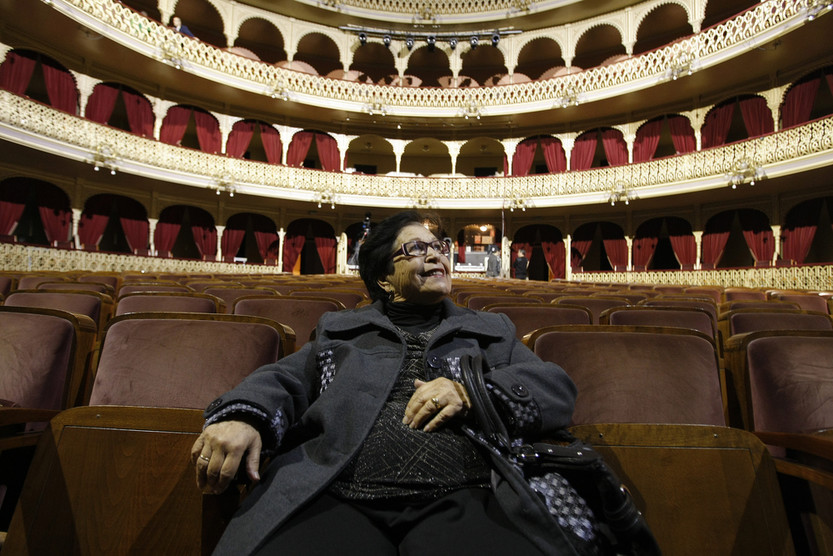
436	402
202	457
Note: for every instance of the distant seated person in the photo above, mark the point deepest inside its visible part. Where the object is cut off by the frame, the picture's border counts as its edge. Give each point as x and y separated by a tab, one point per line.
179	27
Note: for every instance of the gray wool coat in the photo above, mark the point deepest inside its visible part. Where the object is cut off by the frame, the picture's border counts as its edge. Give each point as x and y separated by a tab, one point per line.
316	407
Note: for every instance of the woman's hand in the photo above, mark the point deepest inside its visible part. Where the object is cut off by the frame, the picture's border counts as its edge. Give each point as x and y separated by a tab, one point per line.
217	453
435	402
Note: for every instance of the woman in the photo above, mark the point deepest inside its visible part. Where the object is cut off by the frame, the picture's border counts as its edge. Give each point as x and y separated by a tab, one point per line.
365	425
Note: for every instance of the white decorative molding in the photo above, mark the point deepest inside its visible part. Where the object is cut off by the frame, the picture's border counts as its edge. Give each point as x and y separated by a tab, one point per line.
758	25
35	125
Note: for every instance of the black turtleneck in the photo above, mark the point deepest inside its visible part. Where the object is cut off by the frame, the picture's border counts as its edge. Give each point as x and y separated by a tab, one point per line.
413	317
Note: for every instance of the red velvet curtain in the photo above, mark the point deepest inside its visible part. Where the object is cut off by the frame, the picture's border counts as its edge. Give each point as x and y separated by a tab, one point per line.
682	134
328	153
164	237
292	249
643	251
524	154
461	252
554	154
798	103
713	245
16	73
230	243
56	223
136	232
140	116
554	254
582	246
761	243
584	149
685	249
208	133
271	143
647	141
716	126
615	147
265	240
206	240
60	88
174	124
101	103
617	253
91	227
796	243
298	148
326	247
239	139
757	117
9	216
505	165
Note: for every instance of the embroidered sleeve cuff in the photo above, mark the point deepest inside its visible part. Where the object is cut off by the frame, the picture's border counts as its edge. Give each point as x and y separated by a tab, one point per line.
271	430
522	417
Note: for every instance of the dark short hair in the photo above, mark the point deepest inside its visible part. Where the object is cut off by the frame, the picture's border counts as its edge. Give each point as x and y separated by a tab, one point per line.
375	254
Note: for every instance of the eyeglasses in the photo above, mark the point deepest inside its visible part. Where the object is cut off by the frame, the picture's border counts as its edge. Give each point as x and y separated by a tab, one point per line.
417	248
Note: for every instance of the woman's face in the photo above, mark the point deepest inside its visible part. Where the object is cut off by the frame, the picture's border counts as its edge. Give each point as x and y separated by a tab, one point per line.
424	280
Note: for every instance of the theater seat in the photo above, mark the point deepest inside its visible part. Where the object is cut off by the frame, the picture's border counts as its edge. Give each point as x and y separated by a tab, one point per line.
298	312
118	480
97	306
692	318
704	490
595	304
478	301
177	302
634	374
182	359
528	318
229	294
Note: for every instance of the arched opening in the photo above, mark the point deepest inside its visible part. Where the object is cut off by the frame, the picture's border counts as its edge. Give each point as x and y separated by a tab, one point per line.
544	247
309	247
262	38
35	211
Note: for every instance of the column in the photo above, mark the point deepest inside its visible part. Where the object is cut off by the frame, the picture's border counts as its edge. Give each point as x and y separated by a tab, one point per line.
160	109
568	247
86	84
76	218
398	149
567	143
341	254
281	236
343	142
225	129
220	230
287	133
454	152
505	256
776	234
509	146
629	241
698	241
151	232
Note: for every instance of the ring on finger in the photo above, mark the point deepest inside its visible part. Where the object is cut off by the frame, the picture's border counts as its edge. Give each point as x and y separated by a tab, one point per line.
436	401
202	457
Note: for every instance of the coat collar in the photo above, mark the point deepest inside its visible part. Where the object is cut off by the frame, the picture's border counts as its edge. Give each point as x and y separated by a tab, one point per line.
457	319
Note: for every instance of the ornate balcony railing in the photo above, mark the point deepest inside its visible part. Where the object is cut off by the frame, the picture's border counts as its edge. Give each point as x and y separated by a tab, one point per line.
27	258
34	124
764	21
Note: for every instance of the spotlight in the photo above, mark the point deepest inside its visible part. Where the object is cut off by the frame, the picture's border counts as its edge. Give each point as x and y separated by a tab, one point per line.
431	40
409	42
452	42
386	40
474	41
495	38
363	38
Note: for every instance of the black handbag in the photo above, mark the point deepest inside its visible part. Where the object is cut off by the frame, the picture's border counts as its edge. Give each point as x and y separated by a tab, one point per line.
619	520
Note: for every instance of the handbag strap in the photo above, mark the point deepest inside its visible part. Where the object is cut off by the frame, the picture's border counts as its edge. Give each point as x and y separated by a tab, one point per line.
491	425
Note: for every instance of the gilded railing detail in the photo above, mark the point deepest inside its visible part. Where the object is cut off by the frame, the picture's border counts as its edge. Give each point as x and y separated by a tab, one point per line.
737	32
279	181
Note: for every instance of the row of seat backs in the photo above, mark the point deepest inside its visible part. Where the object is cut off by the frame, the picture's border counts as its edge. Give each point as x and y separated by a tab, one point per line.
141	452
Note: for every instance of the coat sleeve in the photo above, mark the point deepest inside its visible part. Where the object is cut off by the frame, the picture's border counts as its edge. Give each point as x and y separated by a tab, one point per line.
535	397
272	398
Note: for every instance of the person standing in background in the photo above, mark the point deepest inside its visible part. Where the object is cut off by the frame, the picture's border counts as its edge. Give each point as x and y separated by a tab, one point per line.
521	264
492	263
179	27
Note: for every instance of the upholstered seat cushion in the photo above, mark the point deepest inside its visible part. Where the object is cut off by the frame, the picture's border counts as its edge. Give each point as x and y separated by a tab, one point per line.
35	356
